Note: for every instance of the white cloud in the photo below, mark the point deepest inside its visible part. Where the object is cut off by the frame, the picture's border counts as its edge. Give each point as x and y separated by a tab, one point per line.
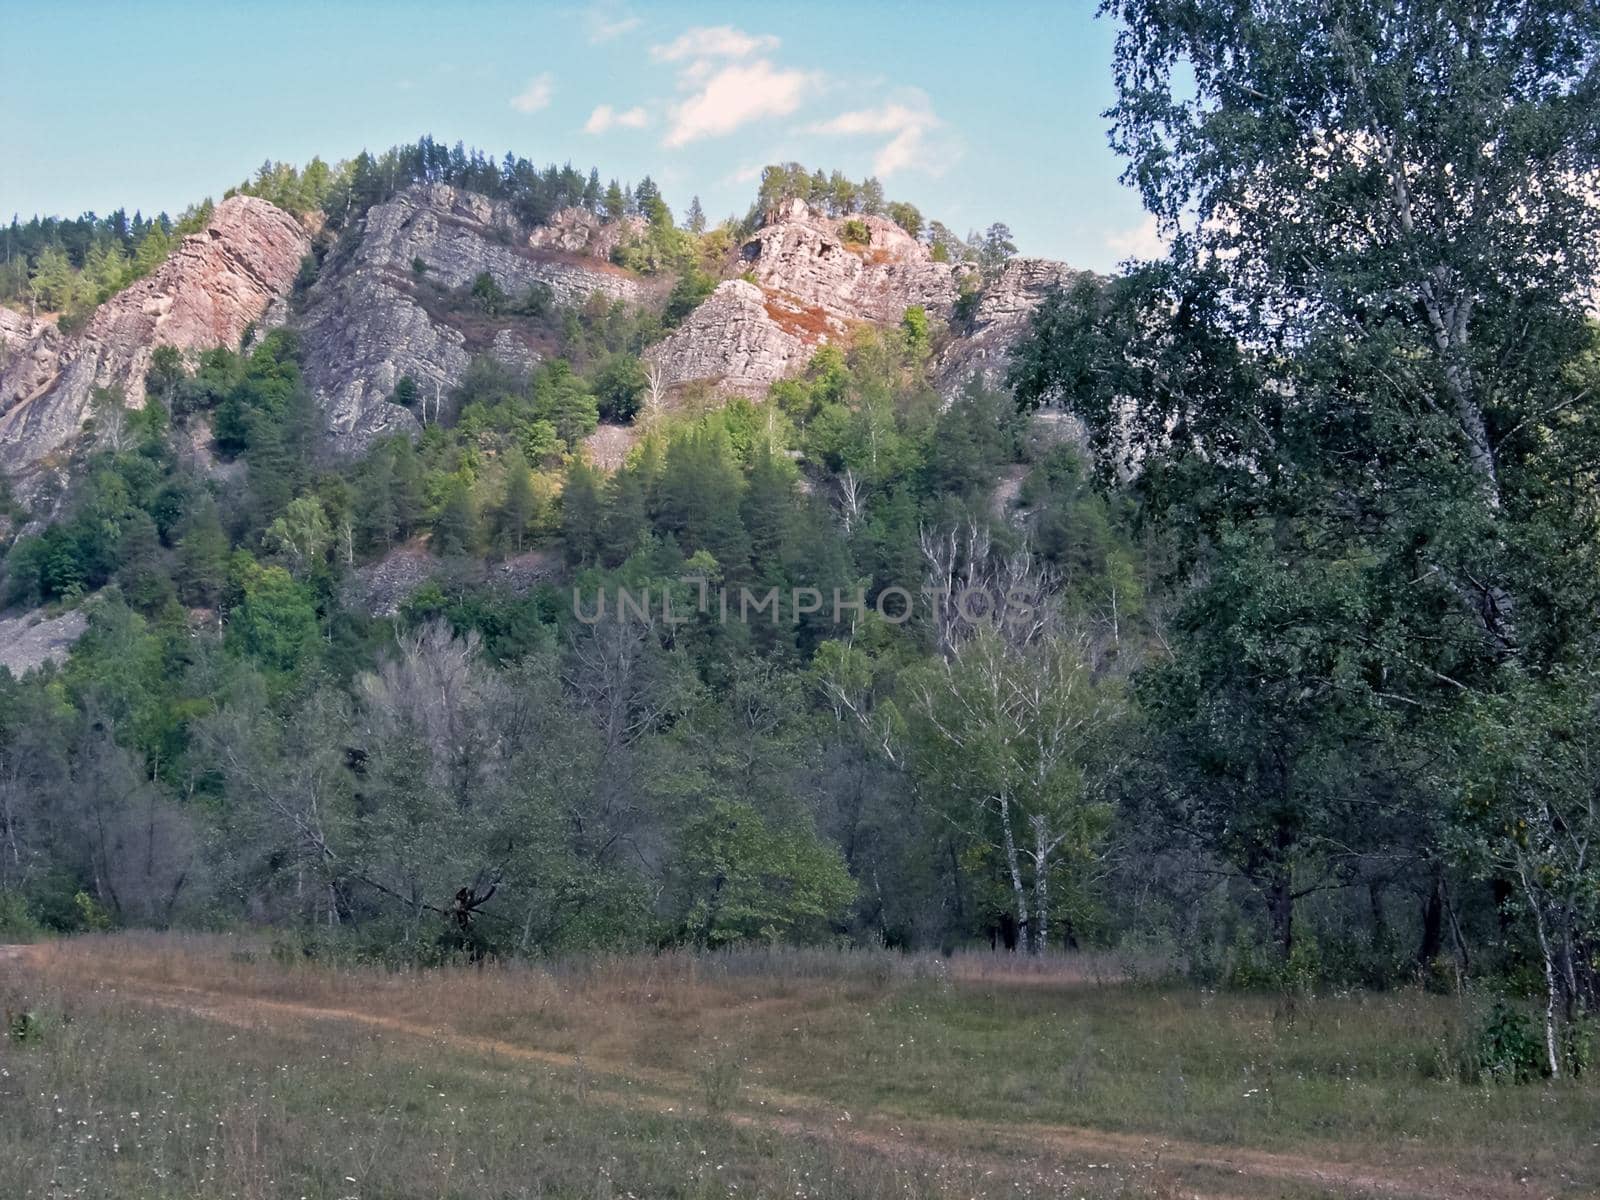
734	95
536	95
908	121
603	30
605	117
1143	241
714	41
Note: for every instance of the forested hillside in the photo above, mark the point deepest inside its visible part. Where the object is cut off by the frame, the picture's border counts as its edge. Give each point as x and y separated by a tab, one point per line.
1242	611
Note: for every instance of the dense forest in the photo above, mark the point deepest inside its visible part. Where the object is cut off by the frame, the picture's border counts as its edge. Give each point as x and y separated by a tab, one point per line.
1308	529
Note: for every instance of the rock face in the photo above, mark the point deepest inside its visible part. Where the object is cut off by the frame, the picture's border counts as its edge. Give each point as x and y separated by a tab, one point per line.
806	256
740	340
1001	319
30	357
29	641
579	231
233	274
806	284
374	317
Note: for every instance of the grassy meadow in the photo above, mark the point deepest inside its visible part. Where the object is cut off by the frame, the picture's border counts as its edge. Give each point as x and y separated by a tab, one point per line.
158	1067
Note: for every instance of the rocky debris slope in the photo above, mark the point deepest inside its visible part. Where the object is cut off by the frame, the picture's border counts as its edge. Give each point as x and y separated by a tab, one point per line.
29	641
381	588
388	306
216	284
1005	307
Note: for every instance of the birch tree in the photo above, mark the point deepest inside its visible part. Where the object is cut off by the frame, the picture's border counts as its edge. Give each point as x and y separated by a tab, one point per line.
1008	736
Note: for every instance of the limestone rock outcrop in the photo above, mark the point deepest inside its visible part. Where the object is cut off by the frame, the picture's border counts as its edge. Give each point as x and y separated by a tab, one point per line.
30	357
807	256
387	306
806	283
215	285
1000	321
579	231
740	340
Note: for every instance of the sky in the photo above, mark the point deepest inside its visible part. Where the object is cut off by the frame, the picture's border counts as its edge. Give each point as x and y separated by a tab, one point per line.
974	112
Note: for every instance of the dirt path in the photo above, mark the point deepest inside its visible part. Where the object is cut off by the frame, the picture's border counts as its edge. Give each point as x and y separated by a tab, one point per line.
900	1138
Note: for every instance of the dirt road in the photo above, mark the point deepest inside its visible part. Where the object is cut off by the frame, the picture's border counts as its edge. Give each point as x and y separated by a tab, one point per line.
1196	1167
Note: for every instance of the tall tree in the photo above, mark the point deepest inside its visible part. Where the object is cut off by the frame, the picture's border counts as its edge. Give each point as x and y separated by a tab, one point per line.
695	219
1347	385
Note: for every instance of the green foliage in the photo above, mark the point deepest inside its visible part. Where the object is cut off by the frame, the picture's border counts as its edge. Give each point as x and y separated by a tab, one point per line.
832	194
486	295
741	879
619	384
275	620
1504	1048
906	216
17	923
24	1028
92	915
72	265
693	286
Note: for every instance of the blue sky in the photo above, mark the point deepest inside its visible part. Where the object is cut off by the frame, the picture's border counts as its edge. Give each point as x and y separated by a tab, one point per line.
975	113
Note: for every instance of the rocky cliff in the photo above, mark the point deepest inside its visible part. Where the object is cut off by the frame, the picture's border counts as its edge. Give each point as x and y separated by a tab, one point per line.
217	283
982	348
806	279
392	301
805	282
809	258
388	303
740	340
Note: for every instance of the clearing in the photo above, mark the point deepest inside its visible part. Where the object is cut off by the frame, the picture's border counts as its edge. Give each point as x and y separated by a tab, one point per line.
162	1066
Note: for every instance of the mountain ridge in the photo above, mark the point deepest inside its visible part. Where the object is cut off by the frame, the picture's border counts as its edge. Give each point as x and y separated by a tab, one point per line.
384	308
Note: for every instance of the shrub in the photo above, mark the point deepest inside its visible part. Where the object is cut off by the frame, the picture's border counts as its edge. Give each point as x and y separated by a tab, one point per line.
1504	1049
24	1027
486	294
17	923
855	231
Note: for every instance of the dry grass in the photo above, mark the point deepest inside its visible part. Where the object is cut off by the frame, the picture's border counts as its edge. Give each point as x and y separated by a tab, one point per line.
808	322
800	1073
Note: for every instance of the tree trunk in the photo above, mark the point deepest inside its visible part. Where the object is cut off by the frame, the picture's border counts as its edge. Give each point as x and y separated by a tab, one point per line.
1019	896
1041	885
1550	985
1432	925
1280	909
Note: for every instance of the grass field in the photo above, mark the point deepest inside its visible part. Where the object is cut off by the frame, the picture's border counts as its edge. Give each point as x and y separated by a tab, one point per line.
168	1067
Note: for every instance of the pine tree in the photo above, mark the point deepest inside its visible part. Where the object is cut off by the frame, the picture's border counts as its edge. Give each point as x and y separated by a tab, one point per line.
615	206
519	505
152	249
582	513
455	530
695	219
52	278
203	558
626	519
768	501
